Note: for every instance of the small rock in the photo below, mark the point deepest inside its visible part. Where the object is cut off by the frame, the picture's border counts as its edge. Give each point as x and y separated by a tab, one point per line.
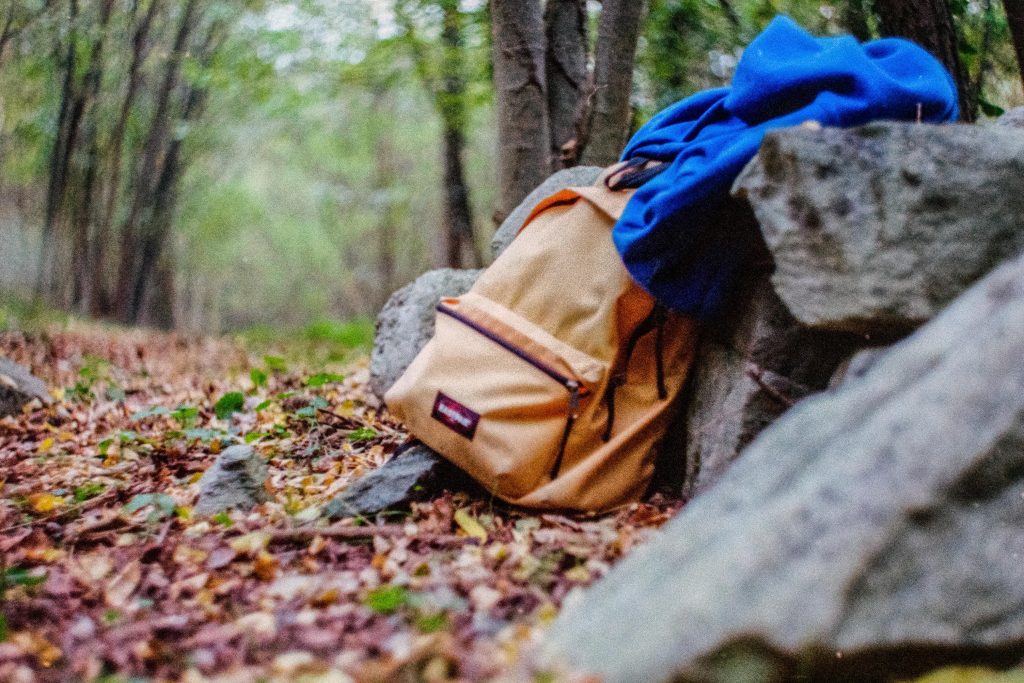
18	386
406	323
577	176
234	480
413	473
875	229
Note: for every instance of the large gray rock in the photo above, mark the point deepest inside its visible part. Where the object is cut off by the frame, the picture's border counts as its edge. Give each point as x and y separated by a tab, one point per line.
875	229
18	386
576	176
406	323
233	481
887	517
1014	118
751	367
414	473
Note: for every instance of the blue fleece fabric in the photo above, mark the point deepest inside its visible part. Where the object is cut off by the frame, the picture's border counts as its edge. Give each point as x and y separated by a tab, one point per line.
668	236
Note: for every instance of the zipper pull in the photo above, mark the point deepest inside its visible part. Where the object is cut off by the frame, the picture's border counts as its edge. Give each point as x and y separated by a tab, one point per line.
574	397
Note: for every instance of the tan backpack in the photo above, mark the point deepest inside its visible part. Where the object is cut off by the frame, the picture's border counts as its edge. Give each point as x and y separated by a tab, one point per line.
550	381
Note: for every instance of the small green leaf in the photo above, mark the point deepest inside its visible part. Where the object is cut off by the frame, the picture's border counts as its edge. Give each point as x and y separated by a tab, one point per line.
162	503
432	623
19	576
275	363
323	378
362	434
387	599
204	435
104	446
990	109
89	490
150	412
223	519
230	403
185	415
253	437
258	377
3	628
264	405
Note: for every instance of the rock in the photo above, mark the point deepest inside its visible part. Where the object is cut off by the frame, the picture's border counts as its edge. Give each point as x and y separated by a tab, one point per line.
874	229
406	323
569	177
751	366
18	386
1014	118
873	527
234	480
413	473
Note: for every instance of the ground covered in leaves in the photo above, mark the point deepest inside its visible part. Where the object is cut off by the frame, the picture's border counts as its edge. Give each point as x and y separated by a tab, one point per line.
105	573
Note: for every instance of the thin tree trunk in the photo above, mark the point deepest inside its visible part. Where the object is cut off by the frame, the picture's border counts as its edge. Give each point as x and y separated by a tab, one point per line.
101	304
617	34
83	215
148	169
157	228
855	19
521	96
62	146
1015	18
930	24
565	28
460	245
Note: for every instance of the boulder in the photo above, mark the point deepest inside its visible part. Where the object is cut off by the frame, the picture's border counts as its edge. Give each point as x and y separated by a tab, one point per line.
406	323
871	529
874	229
18	386
234	480
413	473
751	366
569	177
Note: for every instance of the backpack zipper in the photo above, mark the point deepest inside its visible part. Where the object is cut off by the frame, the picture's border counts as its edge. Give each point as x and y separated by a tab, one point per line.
571	385
655	320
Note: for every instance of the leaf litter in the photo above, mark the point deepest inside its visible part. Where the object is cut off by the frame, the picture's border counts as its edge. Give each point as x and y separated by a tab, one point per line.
106	575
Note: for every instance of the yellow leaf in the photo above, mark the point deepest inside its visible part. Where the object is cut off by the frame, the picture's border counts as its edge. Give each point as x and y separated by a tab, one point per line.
45	445
251	543
972	674
64	437
470	525
45	502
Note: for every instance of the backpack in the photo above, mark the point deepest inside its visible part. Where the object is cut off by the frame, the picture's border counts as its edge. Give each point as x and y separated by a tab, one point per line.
551	381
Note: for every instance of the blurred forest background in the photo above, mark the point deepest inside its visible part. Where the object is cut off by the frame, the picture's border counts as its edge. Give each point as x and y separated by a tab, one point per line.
222	165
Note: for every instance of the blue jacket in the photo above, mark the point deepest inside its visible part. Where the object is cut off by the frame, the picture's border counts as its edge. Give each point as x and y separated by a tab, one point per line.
668	236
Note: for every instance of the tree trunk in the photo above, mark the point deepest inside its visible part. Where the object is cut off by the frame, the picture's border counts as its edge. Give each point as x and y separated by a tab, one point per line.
565	28
63	145
617	34
83	215
1015	18
100	304
460	246
855	19
133	254
521	97
930	24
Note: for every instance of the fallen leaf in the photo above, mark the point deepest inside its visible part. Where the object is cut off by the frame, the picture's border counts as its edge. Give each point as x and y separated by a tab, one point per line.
123	585
468	524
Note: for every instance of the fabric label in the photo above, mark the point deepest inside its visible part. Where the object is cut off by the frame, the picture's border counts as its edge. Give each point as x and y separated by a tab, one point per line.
455	416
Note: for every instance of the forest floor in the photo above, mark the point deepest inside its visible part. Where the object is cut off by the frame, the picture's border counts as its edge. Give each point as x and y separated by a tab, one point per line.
106	575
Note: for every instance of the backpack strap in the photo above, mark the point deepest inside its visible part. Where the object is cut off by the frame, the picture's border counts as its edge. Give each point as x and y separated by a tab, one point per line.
610	202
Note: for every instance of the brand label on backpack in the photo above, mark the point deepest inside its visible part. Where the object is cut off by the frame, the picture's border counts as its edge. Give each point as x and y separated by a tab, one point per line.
455	416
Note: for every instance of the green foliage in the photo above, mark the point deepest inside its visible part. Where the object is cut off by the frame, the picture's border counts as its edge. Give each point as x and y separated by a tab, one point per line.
387	599
162	504
362	434
89	490
229	404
